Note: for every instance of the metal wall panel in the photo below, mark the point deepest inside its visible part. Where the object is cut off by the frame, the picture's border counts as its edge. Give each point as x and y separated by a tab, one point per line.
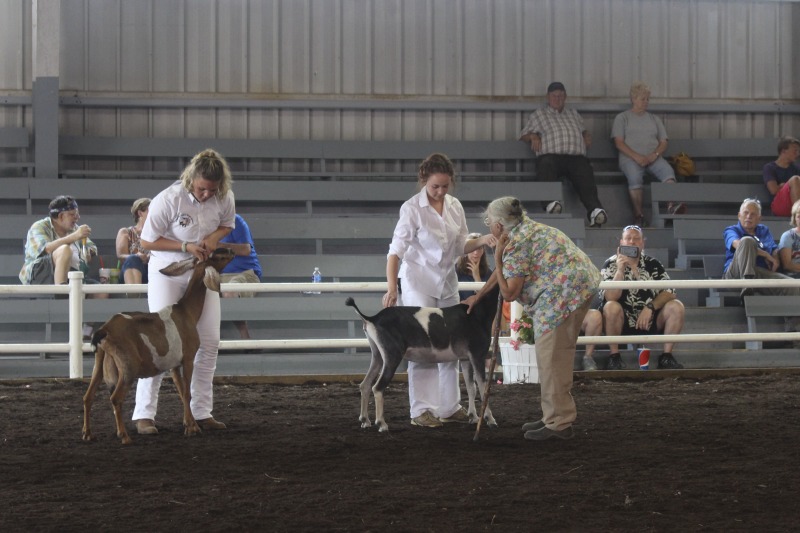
687	50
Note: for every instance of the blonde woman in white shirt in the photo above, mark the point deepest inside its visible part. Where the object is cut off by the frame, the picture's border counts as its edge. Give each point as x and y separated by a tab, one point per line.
428	239
187	219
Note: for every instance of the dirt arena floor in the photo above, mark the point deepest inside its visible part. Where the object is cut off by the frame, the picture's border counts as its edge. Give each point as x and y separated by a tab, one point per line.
674	454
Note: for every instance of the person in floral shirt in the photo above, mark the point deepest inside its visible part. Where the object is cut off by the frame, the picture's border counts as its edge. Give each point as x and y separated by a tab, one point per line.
639	311
555	282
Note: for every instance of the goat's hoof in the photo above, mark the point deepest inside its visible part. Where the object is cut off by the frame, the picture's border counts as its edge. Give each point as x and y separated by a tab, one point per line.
383	428
365	423
191	431
125	439
88	437
491	423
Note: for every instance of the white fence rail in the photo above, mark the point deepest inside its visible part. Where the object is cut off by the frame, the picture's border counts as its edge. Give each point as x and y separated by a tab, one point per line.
77	290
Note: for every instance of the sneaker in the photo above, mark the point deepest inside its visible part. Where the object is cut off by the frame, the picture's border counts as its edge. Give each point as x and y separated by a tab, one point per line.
676	209
426	420
533	426
597	218
588	363
547	433
209	424
146	426
459	416
554	207
615	362
666	361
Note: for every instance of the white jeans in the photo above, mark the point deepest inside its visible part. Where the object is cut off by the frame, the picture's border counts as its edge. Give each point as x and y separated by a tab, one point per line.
432	387
163	291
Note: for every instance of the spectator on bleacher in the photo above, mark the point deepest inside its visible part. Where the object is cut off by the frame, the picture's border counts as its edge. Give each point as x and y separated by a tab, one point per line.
185	220
129	247
556	283
789	245
639	311
244	268
56	245
559	139
751	252
472	267
782	177
429	237
641	140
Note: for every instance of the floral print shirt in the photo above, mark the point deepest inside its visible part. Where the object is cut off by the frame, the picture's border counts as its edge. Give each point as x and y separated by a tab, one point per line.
559	277
633	301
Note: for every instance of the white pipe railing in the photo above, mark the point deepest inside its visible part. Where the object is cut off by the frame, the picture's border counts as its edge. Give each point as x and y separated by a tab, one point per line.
76	290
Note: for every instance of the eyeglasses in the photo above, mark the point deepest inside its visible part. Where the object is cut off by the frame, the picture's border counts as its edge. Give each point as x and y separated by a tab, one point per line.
632	226
752	201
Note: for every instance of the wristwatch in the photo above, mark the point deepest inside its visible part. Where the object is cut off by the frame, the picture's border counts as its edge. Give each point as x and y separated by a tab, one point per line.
650	306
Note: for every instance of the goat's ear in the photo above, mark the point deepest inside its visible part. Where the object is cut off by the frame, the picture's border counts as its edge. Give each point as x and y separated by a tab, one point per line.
178	268
212	279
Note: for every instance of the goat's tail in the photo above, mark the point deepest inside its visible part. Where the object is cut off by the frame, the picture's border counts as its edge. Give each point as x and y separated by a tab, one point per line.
350	302
98	337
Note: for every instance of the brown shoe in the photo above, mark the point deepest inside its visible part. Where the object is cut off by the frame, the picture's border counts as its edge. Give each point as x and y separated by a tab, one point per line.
459	416
426	420
209	424
145	426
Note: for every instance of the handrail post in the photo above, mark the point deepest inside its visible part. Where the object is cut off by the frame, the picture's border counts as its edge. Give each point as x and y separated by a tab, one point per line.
75	324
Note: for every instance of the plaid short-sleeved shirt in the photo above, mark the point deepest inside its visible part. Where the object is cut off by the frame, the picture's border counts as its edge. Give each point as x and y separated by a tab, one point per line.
559	277
561	132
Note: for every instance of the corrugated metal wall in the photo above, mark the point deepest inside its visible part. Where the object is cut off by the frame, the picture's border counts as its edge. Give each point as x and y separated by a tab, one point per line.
723	50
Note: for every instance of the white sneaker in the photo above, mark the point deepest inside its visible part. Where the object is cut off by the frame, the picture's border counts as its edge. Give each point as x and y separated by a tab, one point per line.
598	218
554	207
589	364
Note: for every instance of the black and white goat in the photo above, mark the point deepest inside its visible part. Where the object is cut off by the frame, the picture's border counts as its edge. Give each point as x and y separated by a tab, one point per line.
141	345
429	335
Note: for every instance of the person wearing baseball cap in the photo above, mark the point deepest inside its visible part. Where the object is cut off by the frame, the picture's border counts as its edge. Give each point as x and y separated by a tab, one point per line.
559	139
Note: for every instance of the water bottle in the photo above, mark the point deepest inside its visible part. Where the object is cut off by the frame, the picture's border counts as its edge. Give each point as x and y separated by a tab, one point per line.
644	357
316	277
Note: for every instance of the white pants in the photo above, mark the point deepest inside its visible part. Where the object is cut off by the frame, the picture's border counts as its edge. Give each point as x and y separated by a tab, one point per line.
163	291
432	387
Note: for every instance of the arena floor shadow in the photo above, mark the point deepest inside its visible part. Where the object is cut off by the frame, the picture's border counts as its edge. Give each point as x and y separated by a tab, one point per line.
673	454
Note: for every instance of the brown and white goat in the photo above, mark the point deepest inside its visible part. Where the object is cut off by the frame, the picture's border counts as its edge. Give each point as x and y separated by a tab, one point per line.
141	345
428	335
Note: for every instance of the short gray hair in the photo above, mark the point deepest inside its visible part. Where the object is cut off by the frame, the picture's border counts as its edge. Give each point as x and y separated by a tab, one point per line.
755	201
506	210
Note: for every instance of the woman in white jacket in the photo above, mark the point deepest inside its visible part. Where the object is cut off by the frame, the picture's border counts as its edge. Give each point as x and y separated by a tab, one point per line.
428	239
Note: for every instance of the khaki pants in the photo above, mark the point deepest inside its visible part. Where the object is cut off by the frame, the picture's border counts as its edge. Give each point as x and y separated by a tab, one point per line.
555	354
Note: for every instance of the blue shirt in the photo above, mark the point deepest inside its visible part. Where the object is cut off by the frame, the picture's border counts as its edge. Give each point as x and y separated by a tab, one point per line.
736	232
240	235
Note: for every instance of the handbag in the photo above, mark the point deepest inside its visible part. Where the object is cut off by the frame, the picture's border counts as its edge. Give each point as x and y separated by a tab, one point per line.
683	164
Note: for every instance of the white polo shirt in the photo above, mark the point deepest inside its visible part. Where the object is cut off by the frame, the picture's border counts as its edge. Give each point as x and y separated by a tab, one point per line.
175	214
